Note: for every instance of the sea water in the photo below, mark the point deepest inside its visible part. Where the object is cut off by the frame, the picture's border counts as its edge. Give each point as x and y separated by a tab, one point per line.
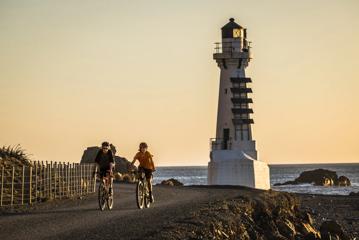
197	175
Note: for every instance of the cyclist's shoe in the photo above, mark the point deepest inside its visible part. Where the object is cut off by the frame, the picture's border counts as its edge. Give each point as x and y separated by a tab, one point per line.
152	199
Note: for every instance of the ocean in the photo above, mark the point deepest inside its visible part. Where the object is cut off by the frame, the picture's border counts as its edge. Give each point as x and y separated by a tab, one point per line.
192	175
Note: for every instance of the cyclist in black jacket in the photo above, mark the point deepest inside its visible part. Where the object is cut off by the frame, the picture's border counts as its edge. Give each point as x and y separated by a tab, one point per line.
105	161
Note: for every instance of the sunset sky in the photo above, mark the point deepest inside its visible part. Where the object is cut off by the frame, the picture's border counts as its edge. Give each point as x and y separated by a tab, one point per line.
75	73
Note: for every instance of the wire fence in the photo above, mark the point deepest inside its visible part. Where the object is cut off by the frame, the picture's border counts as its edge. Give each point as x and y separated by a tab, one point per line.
43	181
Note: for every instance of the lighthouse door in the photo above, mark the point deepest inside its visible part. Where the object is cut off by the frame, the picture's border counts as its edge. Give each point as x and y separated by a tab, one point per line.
225	138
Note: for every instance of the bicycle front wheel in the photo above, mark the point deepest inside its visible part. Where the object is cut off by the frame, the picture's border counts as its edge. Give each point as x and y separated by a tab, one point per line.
140	194
101	197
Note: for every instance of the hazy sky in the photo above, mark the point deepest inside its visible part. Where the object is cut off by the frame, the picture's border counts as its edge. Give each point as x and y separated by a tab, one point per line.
75	73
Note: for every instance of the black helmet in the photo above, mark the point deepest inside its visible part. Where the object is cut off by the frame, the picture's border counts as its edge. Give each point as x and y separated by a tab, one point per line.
105	144
143	145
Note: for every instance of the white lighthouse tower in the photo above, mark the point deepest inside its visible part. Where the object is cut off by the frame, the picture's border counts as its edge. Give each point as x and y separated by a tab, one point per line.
234	159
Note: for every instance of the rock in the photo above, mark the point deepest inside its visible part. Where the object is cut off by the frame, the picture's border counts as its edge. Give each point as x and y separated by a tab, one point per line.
319	177
308	218
312	236
326	182
171	182
354	194
128	178
118	176
286	228
308	230
332	230
121	164
343	181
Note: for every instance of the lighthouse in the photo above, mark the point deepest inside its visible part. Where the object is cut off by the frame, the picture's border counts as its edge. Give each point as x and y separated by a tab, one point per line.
233	157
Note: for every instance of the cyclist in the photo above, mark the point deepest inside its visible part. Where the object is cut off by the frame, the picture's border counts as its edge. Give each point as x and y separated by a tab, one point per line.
105	162
146	165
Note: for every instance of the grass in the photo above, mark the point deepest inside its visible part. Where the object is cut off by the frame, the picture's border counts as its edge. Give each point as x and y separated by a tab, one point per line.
14	153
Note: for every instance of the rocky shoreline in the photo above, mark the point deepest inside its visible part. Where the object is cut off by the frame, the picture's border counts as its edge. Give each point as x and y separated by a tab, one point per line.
268	215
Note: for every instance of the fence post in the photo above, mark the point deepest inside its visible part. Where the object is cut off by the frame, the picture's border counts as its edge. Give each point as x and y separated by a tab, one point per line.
30	187
60	178
87	178
50	188
36	166
46	185
55	178
41	179
68	180
12	185
22	184
94	180
49	180
42	189
72	179
77	179
81	180
2	185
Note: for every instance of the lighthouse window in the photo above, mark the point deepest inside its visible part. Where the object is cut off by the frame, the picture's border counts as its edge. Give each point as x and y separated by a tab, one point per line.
236	33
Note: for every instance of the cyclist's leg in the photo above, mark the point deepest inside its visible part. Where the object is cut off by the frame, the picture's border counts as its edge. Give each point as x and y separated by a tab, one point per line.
149	183
109	172
102	174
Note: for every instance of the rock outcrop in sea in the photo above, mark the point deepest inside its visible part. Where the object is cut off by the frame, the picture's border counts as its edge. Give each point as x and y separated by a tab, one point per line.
319	177
354	194
171	182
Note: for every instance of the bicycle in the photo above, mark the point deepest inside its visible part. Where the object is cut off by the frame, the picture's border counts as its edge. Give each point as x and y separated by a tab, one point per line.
104	196
143	198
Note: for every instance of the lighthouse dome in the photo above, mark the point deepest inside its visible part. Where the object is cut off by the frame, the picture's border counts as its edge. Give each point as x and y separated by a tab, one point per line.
229	30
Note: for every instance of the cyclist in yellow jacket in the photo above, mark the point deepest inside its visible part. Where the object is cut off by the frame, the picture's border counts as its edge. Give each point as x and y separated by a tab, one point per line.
146	165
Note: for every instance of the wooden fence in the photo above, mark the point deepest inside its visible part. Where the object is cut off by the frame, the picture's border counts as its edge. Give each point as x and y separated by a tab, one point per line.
43	181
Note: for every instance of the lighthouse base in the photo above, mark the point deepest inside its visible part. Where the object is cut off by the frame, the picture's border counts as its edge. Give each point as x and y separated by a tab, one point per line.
234	167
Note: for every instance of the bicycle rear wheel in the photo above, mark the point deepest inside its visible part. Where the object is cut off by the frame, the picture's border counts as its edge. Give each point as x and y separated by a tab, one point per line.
140	194
101	197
